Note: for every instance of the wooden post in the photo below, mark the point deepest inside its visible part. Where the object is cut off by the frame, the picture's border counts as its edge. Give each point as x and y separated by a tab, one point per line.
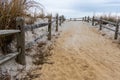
93	21
117	30
100	23
49	27
85	18
60	20
20	41
88	18
57	23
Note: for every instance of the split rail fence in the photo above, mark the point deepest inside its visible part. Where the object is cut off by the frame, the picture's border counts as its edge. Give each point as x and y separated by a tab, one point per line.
102	24
20	36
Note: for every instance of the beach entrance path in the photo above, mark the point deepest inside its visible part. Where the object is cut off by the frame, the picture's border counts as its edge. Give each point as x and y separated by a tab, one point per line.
81	53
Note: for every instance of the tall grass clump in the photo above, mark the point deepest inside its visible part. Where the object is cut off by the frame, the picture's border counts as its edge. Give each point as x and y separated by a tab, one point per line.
9	10
109	18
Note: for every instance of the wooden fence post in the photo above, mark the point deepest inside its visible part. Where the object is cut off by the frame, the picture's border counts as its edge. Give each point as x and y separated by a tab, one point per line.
100	23
117	30
85	18
60	20
49	27
57	23
20	41
93	21
88	19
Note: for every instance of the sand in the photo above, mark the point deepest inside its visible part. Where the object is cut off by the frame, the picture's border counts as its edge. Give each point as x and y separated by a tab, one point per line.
81	53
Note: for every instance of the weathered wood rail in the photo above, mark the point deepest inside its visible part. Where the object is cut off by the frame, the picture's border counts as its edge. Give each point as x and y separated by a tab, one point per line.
8	32
101	22
19	55
76	19
34	26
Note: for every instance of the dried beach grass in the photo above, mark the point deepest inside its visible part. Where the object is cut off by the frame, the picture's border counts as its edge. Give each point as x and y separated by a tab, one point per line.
9	10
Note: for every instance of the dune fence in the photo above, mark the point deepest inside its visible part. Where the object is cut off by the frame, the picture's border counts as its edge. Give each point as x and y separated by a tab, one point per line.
20	30
102	24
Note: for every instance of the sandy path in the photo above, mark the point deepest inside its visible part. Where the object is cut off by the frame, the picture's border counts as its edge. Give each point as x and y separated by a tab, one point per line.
81	53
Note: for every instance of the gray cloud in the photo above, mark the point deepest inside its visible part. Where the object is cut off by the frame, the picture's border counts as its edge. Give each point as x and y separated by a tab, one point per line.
80	7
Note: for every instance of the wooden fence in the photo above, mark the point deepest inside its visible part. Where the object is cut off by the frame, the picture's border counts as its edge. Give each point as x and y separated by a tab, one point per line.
20	36
102	24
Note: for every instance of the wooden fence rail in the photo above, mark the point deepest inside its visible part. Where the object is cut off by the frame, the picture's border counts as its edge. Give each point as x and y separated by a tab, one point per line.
34	26
8	32
20	36
76	19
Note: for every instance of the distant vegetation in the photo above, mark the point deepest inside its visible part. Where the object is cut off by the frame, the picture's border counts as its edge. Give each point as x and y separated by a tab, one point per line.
110	17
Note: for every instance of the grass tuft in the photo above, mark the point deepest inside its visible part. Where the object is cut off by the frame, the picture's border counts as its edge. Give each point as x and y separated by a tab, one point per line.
9	10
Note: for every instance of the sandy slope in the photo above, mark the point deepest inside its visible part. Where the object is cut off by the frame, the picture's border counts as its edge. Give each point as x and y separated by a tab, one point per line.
81	53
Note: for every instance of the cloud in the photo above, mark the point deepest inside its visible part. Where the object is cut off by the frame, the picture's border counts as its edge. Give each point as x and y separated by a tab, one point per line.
77	8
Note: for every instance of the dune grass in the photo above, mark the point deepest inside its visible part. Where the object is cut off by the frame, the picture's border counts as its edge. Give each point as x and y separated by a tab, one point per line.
109	18
9	10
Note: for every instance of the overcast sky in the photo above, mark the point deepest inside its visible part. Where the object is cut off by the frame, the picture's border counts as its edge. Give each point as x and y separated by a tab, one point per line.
78	8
